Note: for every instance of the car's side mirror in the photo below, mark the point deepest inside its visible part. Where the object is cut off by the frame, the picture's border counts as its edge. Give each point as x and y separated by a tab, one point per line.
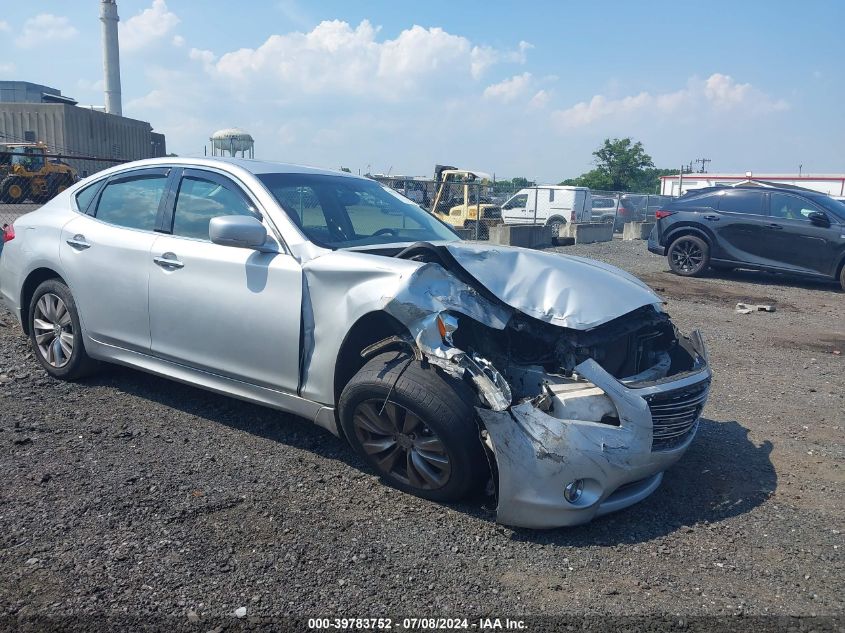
819	219
241	231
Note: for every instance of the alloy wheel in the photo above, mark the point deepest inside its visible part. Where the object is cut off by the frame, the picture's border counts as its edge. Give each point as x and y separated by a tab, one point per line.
687	256
53	328
401	445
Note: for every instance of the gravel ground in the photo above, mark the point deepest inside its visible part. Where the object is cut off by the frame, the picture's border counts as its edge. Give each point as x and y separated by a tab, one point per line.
128	494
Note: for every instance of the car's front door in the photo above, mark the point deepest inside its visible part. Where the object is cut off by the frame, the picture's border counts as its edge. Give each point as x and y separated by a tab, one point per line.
794	241
223	309
105	258
515	211
740	227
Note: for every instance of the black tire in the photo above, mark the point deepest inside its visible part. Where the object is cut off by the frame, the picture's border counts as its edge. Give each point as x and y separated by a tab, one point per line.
556	224
842	278
689	256
444	407
13	190
63	366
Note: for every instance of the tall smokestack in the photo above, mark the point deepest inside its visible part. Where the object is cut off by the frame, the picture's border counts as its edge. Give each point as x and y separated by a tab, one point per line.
111	56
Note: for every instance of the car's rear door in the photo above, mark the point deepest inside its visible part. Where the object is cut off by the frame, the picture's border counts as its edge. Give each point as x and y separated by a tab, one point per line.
227	310
740	227
794	242
105	256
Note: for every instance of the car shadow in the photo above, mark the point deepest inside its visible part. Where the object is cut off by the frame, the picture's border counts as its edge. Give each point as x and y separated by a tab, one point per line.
761	278
723	474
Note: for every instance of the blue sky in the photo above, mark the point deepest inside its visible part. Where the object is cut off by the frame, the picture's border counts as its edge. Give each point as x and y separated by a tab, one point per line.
527	88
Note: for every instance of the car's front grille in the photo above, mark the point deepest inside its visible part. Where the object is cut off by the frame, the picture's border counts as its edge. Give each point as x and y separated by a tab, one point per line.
674	415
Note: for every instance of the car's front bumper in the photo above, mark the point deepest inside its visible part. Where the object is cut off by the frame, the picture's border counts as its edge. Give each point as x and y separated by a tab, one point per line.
538	454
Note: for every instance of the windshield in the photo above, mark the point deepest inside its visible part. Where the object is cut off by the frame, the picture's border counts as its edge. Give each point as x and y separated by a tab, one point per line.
836	207
342	212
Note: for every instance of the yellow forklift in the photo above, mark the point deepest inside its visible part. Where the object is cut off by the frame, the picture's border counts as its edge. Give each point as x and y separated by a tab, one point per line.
462	200
28	172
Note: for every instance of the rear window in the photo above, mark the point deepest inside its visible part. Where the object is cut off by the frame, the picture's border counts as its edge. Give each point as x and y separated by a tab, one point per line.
86	195
132	202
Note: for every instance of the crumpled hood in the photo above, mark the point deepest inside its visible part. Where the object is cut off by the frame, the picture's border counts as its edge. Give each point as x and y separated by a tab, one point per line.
564	290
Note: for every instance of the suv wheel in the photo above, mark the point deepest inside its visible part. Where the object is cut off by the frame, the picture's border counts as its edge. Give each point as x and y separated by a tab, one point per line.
689	256
415	427
55	334
842	278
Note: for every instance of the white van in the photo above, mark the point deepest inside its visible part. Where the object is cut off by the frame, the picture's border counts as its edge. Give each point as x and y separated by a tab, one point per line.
556	206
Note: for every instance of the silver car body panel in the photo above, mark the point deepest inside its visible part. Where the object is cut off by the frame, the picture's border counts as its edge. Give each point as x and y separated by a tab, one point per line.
272	328
568	291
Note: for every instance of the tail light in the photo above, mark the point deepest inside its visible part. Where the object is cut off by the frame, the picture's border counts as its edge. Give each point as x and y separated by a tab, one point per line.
8	233
662	213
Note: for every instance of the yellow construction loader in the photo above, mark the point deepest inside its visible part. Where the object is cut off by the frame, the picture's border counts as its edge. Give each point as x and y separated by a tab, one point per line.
28	172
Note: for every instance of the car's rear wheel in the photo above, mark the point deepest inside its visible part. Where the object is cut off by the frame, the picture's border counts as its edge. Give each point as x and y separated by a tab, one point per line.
689	256
842	278
55	333
415	427
556	224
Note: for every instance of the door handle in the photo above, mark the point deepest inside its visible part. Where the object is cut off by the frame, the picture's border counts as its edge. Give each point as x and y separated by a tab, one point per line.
168	260
78	242
775	226
712	218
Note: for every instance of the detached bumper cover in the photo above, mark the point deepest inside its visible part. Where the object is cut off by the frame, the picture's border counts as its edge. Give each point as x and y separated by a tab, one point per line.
538	455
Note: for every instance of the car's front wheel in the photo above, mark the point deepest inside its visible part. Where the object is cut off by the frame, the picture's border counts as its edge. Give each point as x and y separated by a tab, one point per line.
415	427
689	256
55	333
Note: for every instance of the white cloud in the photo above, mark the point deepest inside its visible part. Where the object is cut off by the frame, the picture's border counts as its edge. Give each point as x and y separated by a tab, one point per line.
335	58
540	99
147	27
45	29
178	41
7	68
509	89
4	26
483	57
717	93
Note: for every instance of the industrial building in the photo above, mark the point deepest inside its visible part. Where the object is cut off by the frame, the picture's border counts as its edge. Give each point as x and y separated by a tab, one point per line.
98	136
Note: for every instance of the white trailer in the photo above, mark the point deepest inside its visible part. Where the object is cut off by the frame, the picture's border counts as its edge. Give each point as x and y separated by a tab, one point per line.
831	184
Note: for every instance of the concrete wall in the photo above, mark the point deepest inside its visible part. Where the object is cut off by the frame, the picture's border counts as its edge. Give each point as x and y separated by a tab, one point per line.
637	230
588	232
525	235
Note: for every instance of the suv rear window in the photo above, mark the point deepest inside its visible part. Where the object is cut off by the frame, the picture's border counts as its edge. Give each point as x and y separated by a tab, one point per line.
748	202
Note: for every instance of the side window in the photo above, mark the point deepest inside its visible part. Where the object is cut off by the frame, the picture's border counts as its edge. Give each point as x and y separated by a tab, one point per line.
551	195
517	202
788	207
303	206
85	196
199	200
711	201
132	202
747	202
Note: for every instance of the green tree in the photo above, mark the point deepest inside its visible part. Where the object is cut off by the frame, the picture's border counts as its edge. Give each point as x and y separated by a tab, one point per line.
621	165
622	162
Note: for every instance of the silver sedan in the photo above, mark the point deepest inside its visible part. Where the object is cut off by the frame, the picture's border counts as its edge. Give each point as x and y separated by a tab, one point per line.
446	364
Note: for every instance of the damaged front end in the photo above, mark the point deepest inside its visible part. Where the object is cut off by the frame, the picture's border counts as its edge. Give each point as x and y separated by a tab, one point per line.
581	422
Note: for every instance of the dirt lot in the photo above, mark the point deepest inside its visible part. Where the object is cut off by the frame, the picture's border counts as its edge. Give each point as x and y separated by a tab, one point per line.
129	494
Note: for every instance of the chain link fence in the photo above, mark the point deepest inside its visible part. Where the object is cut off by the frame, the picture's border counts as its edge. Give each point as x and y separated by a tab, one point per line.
30	176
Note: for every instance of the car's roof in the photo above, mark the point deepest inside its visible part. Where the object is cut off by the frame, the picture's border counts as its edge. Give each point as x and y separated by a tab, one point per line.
248	164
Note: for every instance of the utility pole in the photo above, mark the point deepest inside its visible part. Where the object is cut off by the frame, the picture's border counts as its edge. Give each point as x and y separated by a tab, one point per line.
703	162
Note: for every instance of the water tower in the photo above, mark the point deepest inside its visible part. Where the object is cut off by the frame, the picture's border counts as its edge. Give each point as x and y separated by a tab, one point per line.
231	141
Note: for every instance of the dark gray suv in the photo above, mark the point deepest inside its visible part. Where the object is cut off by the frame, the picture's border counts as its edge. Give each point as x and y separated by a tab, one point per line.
774	229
